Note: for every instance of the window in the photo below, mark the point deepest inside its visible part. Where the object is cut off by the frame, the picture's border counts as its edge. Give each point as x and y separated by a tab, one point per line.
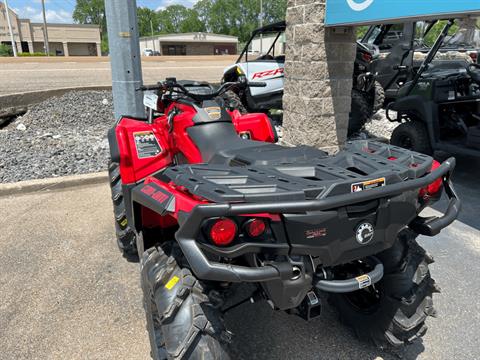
385	36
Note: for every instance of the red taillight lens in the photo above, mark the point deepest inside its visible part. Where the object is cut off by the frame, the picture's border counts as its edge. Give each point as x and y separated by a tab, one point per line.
367	57
433	188
223	232
255	227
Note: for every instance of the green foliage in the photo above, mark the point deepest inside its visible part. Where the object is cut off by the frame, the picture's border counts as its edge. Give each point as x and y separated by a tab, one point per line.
104	45
230	17
238	18
361	31
26	54
5	50
91	12
435	31
147	19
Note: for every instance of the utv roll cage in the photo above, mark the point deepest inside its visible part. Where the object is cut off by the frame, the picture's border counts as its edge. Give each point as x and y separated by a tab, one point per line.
278	27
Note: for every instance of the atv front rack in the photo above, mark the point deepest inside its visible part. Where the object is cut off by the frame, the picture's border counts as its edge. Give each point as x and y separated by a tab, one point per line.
208	270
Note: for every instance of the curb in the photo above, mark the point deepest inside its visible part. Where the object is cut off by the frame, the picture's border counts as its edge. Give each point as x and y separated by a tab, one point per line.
50	184
24	99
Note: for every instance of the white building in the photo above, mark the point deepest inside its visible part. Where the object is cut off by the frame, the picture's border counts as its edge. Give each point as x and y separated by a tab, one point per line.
190	44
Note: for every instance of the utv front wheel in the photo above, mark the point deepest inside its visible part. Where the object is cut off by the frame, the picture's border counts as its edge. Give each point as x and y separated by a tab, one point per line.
125	235
181	321
378	97
392	313
233	101
360	113
412	135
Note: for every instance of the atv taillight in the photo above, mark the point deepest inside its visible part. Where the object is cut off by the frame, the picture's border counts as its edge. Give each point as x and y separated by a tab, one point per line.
223	231
434	188
255	227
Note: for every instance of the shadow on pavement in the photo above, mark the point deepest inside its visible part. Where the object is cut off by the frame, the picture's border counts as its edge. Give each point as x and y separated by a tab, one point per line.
262	333
466	180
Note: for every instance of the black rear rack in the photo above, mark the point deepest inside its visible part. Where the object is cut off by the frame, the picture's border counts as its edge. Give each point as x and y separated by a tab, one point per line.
309	179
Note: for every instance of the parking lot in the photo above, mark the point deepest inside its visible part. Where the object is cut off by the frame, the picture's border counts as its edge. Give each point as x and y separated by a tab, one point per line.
66	292
30	74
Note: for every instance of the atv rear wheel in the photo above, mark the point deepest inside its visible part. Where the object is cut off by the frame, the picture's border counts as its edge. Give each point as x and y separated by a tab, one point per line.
412	135
392	313
181	321
360	113
126	240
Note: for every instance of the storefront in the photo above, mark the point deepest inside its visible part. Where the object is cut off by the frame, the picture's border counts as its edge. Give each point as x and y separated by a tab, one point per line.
189	44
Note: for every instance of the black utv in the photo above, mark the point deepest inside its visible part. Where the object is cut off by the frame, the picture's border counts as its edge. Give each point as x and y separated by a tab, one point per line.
403	47
439	109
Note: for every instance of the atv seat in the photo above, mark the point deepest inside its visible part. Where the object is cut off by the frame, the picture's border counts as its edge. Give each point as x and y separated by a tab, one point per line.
219	143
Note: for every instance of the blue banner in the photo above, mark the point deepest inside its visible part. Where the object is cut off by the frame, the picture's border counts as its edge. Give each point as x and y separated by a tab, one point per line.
358	12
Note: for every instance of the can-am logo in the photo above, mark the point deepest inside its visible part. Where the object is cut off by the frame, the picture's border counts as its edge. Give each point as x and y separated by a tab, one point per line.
359	6
364	233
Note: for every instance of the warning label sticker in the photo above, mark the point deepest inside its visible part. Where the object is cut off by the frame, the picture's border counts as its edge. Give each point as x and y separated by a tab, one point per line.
363	281
146	144
367	185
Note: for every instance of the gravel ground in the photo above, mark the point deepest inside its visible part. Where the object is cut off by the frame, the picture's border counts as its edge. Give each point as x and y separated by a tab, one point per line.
60	136
380	126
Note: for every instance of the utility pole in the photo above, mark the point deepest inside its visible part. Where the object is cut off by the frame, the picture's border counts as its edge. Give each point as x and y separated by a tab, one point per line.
125	60
261	25
153	40
45	31
14	45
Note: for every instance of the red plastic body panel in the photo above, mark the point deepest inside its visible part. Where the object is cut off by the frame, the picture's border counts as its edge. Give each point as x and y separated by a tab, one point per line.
258	126
134	169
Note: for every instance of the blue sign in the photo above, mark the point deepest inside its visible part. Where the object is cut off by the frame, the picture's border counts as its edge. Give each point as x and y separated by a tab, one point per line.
358	12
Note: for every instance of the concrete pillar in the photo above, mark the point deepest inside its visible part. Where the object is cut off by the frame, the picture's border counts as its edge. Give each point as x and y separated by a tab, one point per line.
30	47
99	49
65	49
318	77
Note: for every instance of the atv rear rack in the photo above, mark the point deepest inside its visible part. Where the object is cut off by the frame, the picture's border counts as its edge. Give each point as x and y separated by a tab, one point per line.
207	270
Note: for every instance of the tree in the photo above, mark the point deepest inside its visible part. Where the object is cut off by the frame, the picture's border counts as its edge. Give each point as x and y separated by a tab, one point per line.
238	18
192	22
147	18
91	12
179	19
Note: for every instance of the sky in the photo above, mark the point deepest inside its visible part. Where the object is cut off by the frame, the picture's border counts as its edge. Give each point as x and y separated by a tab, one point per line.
60	11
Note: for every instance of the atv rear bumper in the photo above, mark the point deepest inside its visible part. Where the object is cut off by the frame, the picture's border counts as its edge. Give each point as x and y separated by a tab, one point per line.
208	270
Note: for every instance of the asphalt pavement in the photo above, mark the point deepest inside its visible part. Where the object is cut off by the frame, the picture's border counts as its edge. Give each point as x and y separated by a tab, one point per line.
66	292
32	74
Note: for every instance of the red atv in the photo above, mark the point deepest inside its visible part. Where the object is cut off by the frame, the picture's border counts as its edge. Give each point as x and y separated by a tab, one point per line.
208	200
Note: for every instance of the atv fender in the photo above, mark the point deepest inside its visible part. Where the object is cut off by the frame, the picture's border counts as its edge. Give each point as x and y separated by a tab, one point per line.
113	144
422	111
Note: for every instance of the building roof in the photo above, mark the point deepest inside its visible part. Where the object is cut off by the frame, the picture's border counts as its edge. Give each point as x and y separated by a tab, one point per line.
200	37
66	25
